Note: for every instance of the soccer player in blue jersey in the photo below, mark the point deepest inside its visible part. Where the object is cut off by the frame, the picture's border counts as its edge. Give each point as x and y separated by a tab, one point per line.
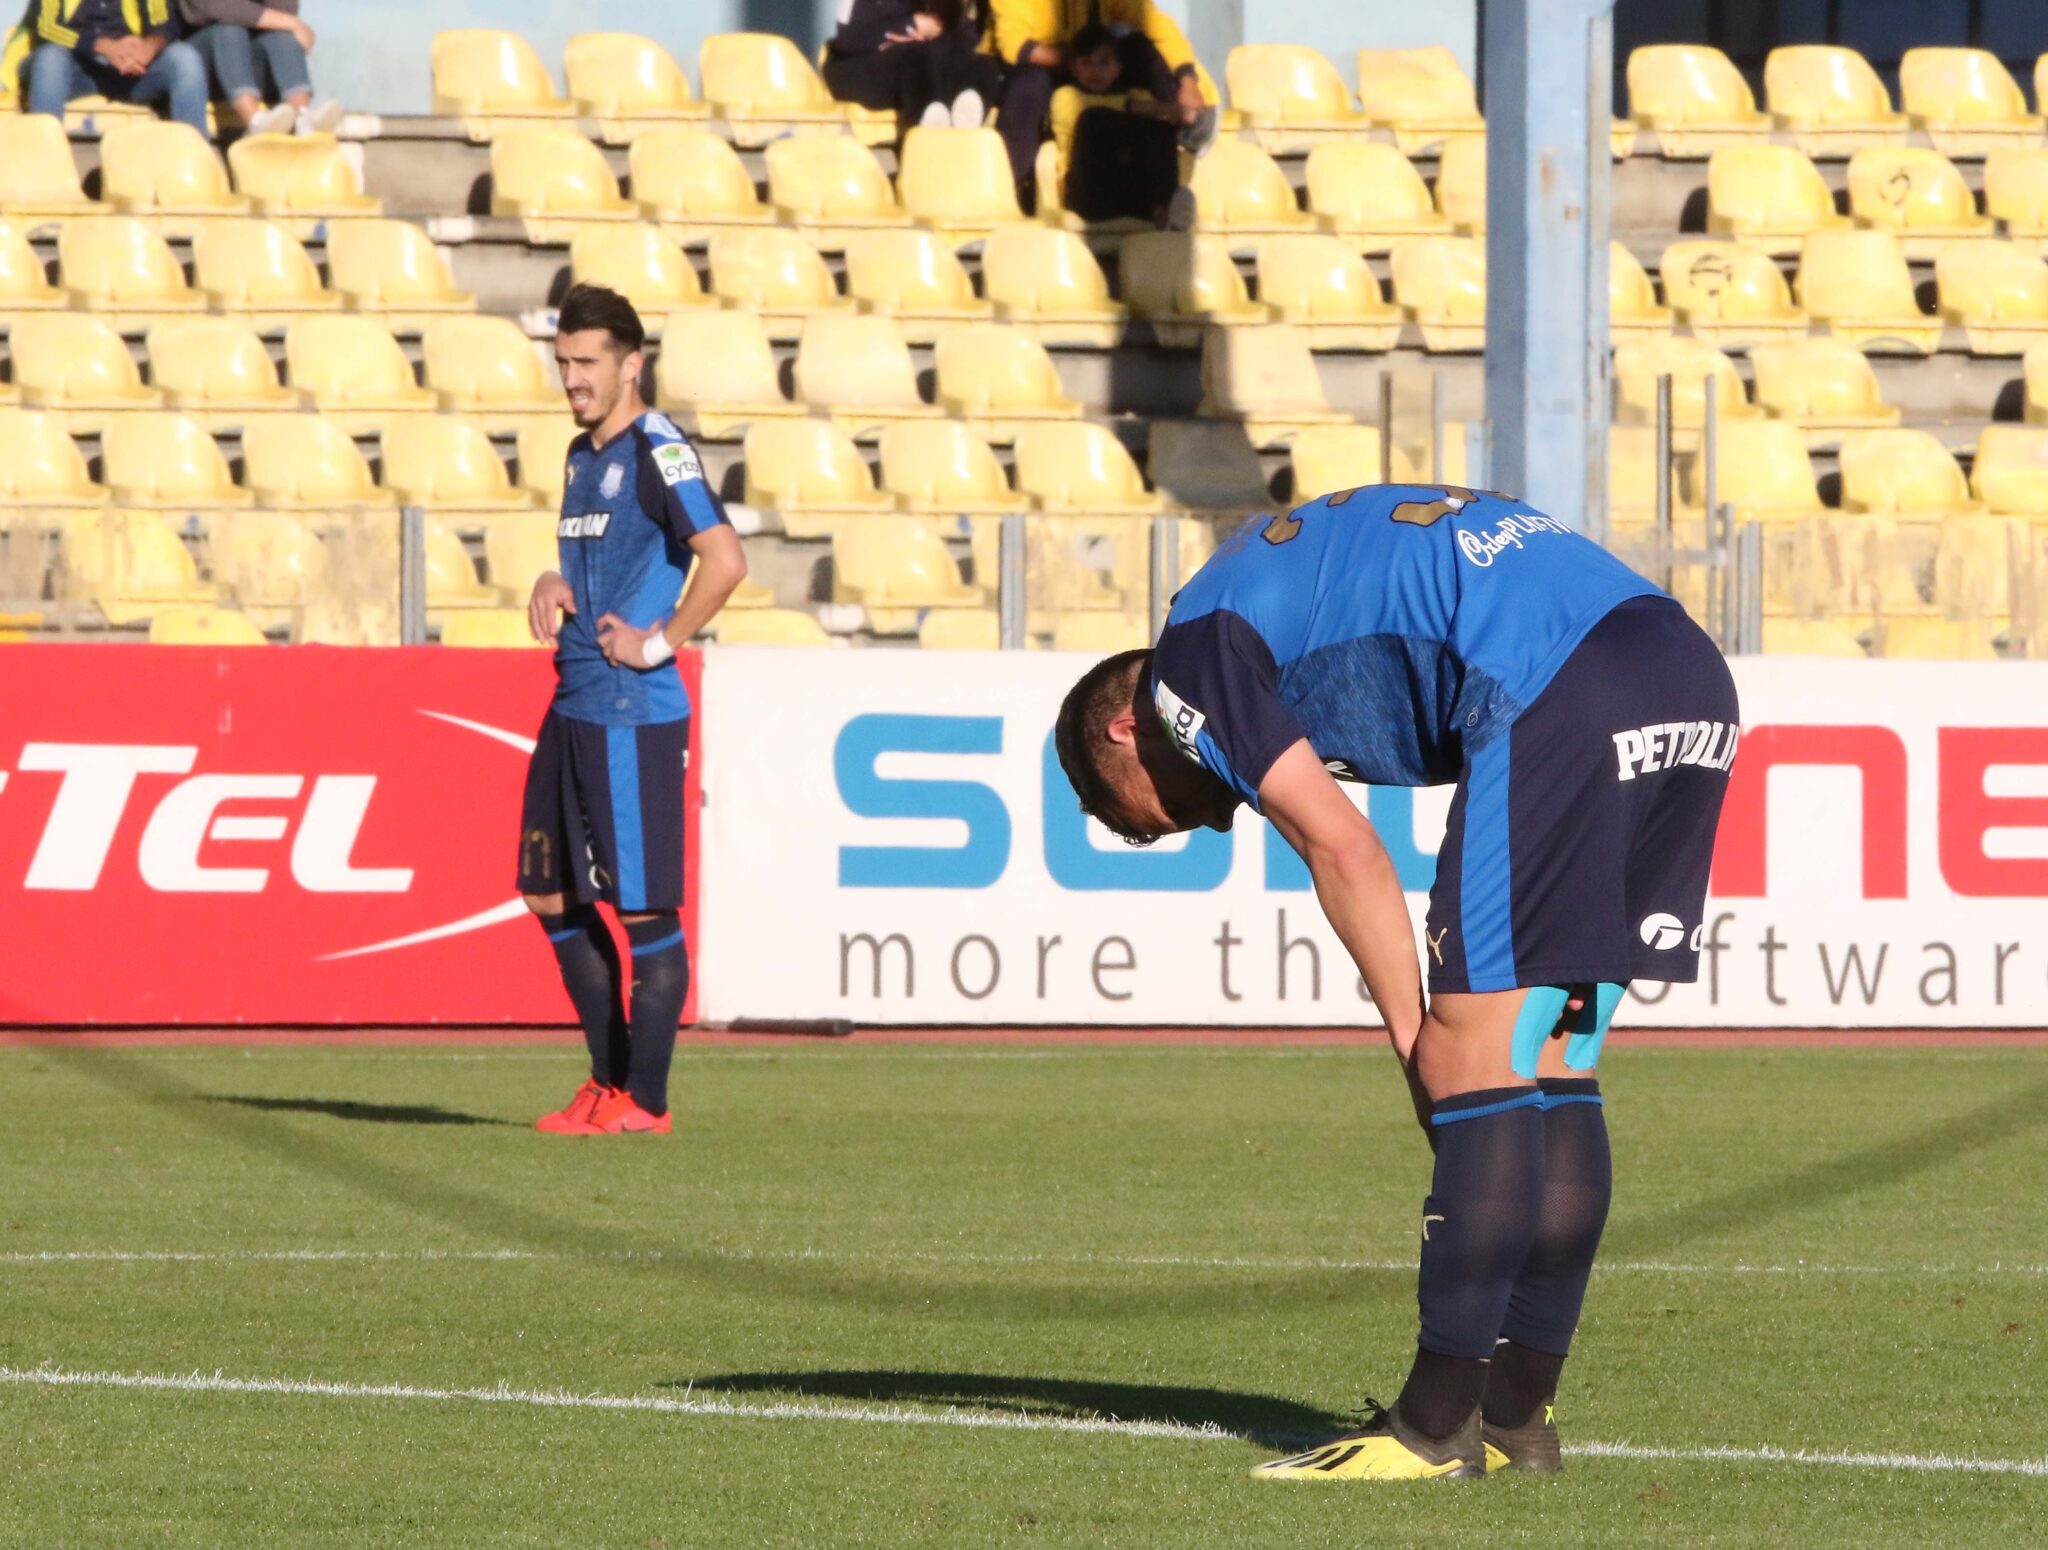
1410	636
603	811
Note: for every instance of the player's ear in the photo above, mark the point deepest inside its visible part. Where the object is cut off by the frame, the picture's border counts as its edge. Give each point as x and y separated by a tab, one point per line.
1124	727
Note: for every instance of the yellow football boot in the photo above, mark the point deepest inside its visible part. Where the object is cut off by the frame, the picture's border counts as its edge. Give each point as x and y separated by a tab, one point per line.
1531	1446
1387	1450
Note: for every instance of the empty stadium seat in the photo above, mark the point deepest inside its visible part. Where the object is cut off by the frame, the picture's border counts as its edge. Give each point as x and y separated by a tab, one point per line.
40	465
268	561
1901	473
913	277
129	564
2016	192
1047	283
772	271
1203	467
446	463
24	286
255	270
1183	283
944	467
1966	100
38	179
1461	184
306	462
1769	197
895	567
1292	98
1422	94
629	84
451	575
812	474
486	366
1241	194
555	181
1824	386
1691	365
764	88
492	80
1321	286
961	629
217	371
1631	474
121	267
354	370
544	457
1858	284
1694	98
393	269
1830	99
1915	194
1729	294
859	370
999	379
768	627
519	548
1070	563
831	188
2009	474
300	180
1265	379
693	184
1328	458
1809	638
167	173
1761	468
1440	282
1371	195
189	625
164	460
488	627
958	182
643	264
1100	633
717	374
1997	292
1633	311
74	364
1080	466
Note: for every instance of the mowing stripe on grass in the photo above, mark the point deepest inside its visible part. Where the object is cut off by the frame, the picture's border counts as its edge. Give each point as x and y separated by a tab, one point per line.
979	1420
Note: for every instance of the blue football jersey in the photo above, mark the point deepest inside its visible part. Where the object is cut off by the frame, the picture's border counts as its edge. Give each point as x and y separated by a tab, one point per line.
1398	628
629	511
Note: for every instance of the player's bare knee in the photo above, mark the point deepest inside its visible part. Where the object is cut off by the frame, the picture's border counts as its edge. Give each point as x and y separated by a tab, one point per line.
543	903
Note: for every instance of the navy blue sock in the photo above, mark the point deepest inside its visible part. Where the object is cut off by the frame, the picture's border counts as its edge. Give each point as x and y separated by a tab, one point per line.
661	979
591	973
1578	1183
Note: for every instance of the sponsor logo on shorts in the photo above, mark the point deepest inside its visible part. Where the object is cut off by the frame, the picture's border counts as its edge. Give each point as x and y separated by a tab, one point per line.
1181	718
677	462
1669	744
614	481
590	525
1664	932
1436	943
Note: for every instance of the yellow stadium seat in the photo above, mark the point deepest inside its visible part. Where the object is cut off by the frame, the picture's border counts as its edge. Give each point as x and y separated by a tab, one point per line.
492	80
629	84
306	462
1830	99
446	463
717	374
1809	638
24	286
1422	94
1321	286
75	364
2009	474
1370	195
961	629
642	263
1857	283
544	457
999	380
751	594
913	277
768	627
774	272
1100	633
1184	283
38	179
451	575
895	567
354	371
1901	473
217	371
1690	364
1631	474
555	181
1966	101
1048	284
1946	640
958	182
256	271
830	188
393	269
1694	98
269	562
858	369
1915	194
303	181
1729	294
130	564
166	461
1761	468
1329	458
1241	193
1633	311
122	268
1768	197
167	173
1440	282
190	625
811	473
1292	98
763	88
1265	379
1824	386
1997	292
1078	466
486	366
488	627
1205	468
519	548
1069	562
693	184
1461	185
2016	193
945	468
41	466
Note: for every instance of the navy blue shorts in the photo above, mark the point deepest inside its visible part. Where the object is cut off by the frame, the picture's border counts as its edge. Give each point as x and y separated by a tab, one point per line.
1581	837
603	814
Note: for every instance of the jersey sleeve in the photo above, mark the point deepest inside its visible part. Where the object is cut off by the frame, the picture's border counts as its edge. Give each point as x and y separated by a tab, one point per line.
1214	685
674	491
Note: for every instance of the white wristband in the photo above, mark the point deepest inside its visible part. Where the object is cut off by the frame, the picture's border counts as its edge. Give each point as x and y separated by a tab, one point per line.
656	650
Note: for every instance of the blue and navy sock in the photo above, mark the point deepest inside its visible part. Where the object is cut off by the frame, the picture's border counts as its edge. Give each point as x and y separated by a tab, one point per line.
1478	1224
591	973
661	979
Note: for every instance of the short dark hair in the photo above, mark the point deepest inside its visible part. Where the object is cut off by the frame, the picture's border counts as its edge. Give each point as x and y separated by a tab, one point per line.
1103	692
597	306
1090	38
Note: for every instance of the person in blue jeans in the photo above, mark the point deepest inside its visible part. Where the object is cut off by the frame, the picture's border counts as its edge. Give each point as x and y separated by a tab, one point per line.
248	45
124	50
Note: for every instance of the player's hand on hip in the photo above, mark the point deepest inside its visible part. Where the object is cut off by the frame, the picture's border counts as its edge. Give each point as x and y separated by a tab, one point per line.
625	646
551	592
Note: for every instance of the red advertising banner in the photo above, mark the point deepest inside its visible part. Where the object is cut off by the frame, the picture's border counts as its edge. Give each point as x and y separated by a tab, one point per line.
298	834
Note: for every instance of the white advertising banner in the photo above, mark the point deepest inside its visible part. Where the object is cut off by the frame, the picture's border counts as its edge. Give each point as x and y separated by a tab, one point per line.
888	839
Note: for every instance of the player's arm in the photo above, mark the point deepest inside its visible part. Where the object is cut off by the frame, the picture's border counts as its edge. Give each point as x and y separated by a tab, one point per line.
721	566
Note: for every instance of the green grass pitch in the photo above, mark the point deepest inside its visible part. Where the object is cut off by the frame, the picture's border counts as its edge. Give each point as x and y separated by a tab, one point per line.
822	1296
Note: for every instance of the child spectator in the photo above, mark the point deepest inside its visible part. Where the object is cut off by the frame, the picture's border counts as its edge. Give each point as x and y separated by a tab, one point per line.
242	39
916	56
1117	141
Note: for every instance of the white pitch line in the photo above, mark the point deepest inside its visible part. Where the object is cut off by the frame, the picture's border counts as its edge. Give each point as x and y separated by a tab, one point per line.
975	1420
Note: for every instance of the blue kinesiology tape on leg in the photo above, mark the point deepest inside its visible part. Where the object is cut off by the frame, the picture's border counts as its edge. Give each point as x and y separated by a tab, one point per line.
1541	1009
1582	1049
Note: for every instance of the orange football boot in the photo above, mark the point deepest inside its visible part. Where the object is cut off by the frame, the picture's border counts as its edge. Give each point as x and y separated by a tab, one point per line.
617	1114
575	1119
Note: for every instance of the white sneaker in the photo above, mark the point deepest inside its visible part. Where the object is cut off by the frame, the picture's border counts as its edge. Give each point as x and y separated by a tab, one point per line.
969	110
322	119
936	115
273	121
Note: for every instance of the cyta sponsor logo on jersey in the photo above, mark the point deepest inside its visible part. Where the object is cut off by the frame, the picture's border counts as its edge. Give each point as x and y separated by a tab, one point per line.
677	462
1181	718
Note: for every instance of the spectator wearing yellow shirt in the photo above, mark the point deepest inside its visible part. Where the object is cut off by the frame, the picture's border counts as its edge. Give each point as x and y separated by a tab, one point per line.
1116	141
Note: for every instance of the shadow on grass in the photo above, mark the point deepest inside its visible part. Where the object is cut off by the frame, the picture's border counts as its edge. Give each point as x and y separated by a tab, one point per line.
347	1108
1259	1418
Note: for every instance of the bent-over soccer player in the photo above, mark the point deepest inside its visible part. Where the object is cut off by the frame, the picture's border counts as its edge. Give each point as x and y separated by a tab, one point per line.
603	812
1412	636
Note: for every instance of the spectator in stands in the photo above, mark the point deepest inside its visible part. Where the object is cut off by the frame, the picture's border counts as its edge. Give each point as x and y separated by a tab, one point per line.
243	41
1032	38
1117	140
920	57
123	50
